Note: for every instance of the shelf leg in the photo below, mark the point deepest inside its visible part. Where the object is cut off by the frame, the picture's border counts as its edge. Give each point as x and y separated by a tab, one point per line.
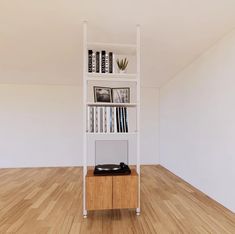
137	211
85	214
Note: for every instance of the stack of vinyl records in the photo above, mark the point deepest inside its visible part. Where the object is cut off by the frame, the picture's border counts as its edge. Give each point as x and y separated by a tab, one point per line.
107	119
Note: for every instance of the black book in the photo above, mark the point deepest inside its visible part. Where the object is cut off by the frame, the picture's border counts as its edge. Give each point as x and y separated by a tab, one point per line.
126	118
123	119
89	60
110	62
103	61
117	118
97	60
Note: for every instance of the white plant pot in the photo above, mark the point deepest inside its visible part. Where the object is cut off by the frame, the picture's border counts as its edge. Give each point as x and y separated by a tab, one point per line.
122	71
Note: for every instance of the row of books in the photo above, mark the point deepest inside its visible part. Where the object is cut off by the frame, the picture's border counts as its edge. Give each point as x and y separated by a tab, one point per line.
100	61
107	119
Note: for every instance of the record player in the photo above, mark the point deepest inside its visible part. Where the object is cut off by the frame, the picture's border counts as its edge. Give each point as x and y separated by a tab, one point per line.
112	169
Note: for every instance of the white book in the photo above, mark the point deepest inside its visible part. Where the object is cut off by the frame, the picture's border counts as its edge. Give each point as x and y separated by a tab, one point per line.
106	62
105	119
101	120
93	119
96	120
93	62
115	119
108	119
112	115
111	119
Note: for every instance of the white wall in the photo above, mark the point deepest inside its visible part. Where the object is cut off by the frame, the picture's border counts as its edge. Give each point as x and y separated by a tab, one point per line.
197	123
149	127
41	125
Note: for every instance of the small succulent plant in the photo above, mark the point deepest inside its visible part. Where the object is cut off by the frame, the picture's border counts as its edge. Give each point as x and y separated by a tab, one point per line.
122	64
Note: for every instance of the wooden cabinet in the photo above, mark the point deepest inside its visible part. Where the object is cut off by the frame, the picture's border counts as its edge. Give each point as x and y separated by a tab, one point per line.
111	192
98	192
125	191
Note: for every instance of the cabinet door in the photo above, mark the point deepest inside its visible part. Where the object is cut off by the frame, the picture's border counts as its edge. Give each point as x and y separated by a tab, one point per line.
125	191
98	192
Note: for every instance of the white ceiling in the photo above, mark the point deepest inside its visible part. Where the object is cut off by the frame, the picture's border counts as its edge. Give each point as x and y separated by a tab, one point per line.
41	41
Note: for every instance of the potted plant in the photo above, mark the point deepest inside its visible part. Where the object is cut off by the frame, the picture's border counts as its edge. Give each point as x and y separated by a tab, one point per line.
122	65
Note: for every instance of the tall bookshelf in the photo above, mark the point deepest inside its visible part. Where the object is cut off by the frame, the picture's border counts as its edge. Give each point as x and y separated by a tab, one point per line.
115	79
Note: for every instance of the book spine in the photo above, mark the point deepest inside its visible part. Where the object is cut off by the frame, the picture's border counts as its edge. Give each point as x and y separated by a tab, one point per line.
98	108
126	116
114	119
117	119
96	120
121	119
103	61
93	62
106	62
89	60
108	119
124	119
100	62
91	119
110	62
105	119
101	120
97	59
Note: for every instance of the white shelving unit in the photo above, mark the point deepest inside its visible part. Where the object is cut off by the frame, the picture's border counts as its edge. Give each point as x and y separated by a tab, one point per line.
111	78
111	104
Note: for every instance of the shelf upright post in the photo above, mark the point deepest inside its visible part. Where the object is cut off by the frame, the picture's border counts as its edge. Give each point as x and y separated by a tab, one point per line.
138	111
84	116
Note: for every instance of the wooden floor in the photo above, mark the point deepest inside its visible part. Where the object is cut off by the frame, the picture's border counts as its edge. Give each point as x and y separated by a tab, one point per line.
50	201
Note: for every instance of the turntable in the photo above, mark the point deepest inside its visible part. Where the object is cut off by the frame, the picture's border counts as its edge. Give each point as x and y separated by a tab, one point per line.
112	169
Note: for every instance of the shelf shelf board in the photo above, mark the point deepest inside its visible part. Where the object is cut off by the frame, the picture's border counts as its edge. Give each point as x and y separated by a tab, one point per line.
113	47
111	104
111	77
111	133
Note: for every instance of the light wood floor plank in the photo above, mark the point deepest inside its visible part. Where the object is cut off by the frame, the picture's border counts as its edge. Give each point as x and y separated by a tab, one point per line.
49	200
